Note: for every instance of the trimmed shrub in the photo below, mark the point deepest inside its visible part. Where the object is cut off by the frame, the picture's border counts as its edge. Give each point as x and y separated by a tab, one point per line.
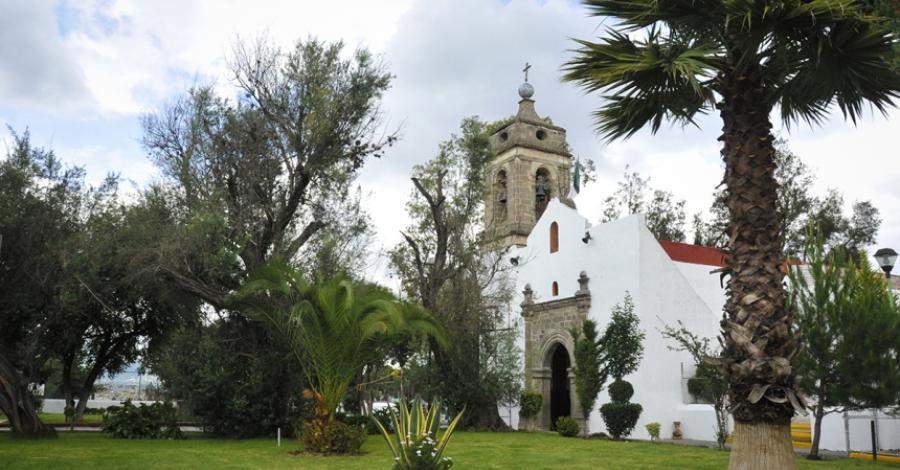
156	421
333	437
620	418
653	430
567	426
530	404
620	391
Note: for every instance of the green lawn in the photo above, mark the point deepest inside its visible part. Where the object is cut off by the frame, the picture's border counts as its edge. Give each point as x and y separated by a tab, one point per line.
468	450
59	418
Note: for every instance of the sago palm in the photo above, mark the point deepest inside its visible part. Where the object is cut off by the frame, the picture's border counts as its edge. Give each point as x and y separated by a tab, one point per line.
332	327
670	60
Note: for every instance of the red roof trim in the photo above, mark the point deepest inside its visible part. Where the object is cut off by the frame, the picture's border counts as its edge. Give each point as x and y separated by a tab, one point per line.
694	254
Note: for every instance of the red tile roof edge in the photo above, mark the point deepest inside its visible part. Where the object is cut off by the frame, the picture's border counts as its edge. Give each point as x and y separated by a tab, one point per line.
694	254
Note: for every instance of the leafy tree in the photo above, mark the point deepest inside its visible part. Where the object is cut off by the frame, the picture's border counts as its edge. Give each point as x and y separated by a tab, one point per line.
665	214
672	60
622	342
258	178
874	379
38	198
441	265
799	211
330	327
849	323
589	374
109	305
712	380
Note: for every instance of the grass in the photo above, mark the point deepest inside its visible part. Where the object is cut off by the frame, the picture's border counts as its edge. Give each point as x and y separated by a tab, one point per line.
468	450
59	418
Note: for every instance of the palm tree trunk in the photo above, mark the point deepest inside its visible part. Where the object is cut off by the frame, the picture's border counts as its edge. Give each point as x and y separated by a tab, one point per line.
757	323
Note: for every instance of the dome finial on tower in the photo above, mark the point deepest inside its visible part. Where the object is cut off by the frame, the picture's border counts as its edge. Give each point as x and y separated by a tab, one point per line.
526	91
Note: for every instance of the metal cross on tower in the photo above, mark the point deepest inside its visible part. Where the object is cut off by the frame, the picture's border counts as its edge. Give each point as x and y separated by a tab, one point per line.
527	66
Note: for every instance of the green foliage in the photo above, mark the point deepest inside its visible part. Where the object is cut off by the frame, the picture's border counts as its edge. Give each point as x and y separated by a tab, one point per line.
156	421
331	327
567	426
666	72
849	324
441	264
800	212
620	418
269	175
620	391
589	374
664	213
416	441
622	341
231	375
331	437
652	430
530	404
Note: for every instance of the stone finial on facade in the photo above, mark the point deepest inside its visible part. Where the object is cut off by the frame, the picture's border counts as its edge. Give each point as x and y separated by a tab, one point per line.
583	294
583	283
527	300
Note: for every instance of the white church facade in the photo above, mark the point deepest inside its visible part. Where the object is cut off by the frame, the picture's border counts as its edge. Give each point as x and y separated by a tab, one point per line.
567	270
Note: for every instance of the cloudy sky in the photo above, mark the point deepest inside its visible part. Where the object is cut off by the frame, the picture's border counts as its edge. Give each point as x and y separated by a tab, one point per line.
80	74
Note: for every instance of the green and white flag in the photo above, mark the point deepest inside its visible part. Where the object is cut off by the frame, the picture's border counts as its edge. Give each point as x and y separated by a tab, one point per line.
576	177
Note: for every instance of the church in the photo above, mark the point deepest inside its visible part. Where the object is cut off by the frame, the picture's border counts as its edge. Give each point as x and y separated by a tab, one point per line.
567	269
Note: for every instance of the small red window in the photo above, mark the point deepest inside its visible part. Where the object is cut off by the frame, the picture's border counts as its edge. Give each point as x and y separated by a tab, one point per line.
554	237
555	289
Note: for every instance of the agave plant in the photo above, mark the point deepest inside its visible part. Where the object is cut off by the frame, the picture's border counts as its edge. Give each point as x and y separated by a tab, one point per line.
414	441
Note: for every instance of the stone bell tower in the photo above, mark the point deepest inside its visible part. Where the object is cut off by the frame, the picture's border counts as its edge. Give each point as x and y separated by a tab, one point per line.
531	166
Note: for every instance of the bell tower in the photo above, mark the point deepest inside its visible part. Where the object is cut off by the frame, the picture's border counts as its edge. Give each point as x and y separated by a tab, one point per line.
531	166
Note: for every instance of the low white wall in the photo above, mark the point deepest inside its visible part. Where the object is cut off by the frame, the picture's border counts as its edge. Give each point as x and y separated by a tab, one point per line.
56	405
833	433
510	415
699	422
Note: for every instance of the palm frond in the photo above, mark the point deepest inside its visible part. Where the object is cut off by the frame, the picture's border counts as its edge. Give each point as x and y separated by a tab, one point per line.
660	78
848	64
697	16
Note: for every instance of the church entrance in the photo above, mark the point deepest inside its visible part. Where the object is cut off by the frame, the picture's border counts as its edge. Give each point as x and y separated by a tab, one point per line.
560	396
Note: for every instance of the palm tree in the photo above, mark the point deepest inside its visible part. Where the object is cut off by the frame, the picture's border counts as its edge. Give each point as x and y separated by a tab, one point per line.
674	59
332	327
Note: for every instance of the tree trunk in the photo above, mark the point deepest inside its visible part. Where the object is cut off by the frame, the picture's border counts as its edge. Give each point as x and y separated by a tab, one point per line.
818	414
762	446
17	404
757	323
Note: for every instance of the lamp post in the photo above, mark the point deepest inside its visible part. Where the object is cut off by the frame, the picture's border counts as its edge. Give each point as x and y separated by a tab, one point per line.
886	258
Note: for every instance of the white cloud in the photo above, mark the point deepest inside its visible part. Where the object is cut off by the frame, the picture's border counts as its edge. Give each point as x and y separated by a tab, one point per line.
37	68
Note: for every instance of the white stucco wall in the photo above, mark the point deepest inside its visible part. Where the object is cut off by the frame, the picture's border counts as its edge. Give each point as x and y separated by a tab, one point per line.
624	256
834	436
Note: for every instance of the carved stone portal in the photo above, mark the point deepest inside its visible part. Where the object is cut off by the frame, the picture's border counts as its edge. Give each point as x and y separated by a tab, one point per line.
549	351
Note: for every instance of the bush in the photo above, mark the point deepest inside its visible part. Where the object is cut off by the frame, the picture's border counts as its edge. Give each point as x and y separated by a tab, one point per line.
384	417
620	418
620	391
653	430
530	404
156	421
567	426
335	437
231	377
